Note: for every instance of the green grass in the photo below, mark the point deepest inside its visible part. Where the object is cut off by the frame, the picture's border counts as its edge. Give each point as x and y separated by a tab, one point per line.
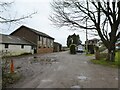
103	61
117	58
90	54
117	55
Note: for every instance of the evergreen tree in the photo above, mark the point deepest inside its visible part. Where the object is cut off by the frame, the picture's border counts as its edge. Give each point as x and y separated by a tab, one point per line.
73	39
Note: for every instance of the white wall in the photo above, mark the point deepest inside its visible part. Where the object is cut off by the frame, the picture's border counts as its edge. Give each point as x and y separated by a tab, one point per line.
15	49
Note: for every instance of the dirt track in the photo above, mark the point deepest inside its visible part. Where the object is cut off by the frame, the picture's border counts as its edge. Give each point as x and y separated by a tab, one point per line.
62	70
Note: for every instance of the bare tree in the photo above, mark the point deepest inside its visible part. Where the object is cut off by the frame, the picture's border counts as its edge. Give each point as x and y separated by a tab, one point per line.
99	16
3	19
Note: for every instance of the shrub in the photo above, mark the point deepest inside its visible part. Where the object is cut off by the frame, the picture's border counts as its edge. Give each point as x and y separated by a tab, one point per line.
10	78
72	49
7	77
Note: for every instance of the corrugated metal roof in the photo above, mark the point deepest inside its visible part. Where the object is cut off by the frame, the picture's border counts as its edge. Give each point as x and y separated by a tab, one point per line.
9	39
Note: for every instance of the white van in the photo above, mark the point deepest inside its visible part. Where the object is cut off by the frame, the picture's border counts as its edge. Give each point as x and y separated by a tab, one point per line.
79	49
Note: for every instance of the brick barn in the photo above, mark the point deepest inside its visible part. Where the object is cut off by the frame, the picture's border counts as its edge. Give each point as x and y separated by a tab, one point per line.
43	42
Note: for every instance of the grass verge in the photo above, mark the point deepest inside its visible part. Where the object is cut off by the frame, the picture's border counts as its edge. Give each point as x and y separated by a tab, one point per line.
103	61
90	54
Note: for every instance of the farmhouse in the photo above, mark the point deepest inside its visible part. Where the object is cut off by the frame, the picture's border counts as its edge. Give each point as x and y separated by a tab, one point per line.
13	45
91	44
43	42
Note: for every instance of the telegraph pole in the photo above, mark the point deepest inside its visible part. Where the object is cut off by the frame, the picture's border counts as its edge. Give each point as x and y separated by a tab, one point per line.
86	31
86	39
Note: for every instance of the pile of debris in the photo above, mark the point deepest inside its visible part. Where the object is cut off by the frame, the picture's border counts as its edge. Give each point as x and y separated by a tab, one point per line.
43	60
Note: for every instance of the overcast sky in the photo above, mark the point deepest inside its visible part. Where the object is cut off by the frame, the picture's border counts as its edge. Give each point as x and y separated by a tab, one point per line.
39	21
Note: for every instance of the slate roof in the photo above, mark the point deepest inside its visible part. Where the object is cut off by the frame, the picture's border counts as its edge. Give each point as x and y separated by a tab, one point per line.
35	31
9	39
57	43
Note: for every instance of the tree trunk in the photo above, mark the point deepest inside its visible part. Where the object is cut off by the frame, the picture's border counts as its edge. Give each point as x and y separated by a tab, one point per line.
111	54
97	53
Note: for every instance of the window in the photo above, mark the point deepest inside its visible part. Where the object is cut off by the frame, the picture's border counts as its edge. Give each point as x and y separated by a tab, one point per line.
22	46
6	45
46	42
32	47
51	42
42	40
39	38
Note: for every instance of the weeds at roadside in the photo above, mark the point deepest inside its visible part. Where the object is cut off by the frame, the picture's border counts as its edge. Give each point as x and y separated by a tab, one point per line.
10	78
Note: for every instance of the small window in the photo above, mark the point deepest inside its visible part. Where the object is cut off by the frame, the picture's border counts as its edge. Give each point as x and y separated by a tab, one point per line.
22	46
6	45
32	47
39	38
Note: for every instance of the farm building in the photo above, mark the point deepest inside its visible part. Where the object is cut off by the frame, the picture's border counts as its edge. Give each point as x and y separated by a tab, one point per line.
57	47
43	42
13	45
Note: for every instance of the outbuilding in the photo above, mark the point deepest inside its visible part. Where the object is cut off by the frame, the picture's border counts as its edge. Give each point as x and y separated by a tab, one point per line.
13	45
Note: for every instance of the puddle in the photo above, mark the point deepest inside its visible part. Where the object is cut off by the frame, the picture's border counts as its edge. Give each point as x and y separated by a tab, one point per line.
103	78
116	78
29	58
52	60
76	86
82	77
55	62
46	80
85	62
36	63
54	69
60	68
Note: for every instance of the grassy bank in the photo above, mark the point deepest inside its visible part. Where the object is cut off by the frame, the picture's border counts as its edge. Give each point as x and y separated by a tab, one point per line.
103	61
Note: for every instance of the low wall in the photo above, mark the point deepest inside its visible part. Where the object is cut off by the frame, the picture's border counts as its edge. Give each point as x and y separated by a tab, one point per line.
44	50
